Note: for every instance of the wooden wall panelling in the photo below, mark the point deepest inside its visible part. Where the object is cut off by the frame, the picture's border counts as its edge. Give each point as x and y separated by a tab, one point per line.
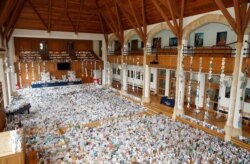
246	62
115	58
27	44
205	64
129	59
57	45
51	67
165	61
83	45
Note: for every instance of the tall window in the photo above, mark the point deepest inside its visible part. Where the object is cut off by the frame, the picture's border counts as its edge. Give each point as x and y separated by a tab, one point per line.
161	81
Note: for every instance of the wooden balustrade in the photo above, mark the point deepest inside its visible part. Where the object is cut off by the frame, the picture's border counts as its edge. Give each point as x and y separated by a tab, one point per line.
114	59
229	65
164	61
133	59
246	63
213	51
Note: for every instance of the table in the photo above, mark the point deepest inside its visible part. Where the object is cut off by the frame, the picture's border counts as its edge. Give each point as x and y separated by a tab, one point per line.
12	148
167	101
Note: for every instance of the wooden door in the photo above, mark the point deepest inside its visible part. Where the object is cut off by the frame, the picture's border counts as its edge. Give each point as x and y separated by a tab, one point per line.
134	45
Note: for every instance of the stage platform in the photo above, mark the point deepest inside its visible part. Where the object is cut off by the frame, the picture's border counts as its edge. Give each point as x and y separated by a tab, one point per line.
54	84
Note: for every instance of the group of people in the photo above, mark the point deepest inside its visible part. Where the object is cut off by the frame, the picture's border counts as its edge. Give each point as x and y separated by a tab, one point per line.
56	129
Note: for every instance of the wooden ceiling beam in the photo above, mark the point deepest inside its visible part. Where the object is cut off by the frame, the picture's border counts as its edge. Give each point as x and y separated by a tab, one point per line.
104	31
49	15
37	13
170	8
111	18
12	22
112	29
144	20
7	9
135	16
181	21
61	16
175	9
237	16
128	16
243	8
229	18
246	20
164	16
119	22
70	20
79	15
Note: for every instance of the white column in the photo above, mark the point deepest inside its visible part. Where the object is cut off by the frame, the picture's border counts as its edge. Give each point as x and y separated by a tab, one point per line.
167	82
229	128
180	84
11	64
237	122
3	80
124	76
146	78
202	90
96	47
104	59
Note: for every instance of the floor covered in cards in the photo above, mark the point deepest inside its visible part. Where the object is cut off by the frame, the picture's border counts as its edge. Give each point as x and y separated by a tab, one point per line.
92	124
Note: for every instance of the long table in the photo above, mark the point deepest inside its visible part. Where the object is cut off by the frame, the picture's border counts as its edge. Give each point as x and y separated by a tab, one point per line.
53	84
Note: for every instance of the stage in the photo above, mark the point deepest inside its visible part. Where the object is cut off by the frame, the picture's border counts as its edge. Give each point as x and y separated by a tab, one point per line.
55	83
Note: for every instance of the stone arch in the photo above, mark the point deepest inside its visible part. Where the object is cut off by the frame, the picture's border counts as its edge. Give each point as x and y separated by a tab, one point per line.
203	20
129	35
111	39
157	29
247	32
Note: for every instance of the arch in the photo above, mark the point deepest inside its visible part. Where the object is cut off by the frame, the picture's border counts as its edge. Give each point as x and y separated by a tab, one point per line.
112	37
247	32
203	20
129	35
157	29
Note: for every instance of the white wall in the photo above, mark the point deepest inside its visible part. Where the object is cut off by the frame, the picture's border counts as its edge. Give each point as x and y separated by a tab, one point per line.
135	81
153	85
96	47
135	37
210	32
164	35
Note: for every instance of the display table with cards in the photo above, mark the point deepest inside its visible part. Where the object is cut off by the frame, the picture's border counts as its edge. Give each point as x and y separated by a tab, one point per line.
12	147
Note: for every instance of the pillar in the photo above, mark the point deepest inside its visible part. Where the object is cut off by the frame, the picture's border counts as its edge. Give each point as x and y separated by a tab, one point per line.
146	77
11	65
180	85
3	79
104	59
124	72
230	129
167	82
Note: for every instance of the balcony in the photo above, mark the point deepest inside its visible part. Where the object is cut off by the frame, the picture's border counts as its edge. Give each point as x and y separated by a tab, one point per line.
163	61
229	65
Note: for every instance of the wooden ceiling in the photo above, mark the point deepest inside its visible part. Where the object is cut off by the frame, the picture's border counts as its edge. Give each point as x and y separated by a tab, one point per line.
92	16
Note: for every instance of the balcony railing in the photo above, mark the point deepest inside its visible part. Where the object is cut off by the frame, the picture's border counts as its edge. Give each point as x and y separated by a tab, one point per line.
163	51
213	51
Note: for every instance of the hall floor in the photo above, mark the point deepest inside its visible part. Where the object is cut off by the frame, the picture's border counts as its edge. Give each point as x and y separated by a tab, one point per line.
220	123
91	123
